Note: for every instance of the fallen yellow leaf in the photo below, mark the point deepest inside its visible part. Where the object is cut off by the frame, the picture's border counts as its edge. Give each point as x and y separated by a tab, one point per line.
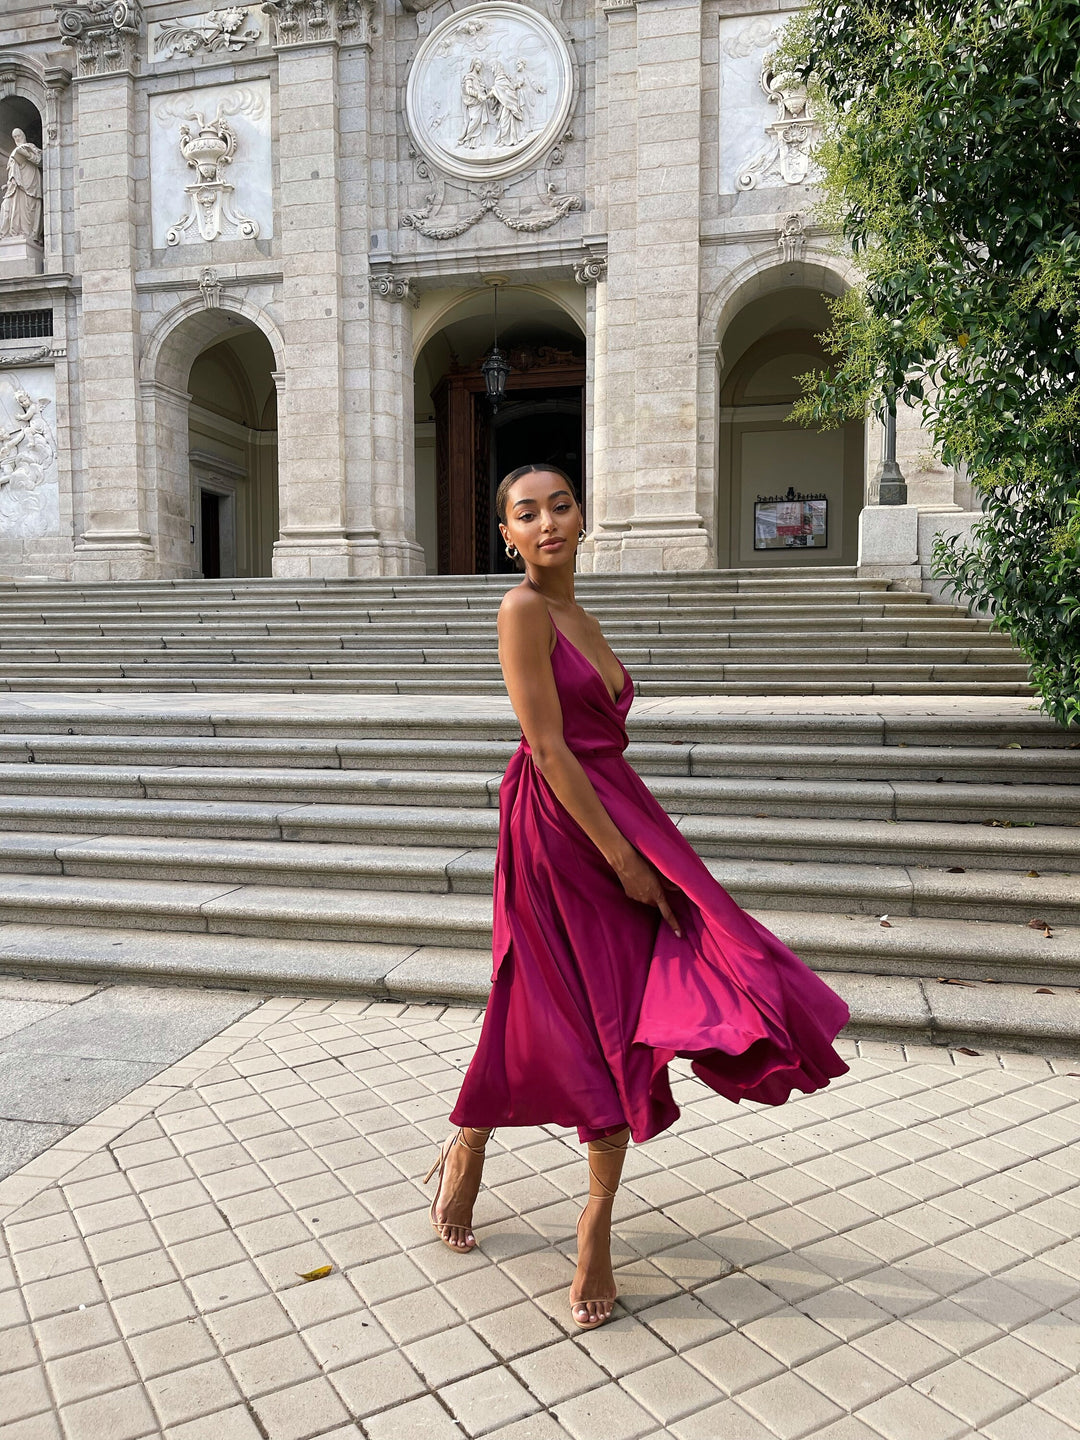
319	1273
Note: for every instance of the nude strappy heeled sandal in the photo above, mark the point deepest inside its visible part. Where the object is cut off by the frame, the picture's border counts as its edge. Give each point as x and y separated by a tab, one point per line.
441	1227
605	1195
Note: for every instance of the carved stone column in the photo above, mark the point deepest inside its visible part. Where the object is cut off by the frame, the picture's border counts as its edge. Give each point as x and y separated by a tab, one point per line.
648	518
116	541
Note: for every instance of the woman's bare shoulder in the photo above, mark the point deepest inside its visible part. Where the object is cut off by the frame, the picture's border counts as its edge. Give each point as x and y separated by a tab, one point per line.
523	609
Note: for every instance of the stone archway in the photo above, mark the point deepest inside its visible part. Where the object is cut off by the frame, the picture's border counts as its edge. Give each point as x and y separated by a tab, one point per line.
785	495
463	448
209	387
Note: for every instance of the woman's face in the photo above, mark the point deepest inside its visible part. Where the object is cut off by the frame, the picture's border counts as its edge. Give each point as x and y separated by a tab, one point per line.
542	519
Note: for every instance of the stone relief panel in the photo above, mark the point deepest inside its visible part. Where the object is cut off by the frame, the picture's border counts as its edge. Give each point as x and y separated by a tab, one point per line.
767	133
29	482
210	165
490	90
218	33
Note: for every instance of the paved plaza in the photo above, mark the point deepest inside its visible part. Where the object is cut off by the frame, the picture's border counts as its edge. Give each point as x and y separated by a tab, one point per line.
894	1258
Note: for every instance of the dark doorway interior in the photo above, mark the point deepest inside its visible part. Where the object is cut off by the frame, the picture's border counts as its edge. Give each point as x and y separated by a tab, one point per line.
543	427
210	520
541	418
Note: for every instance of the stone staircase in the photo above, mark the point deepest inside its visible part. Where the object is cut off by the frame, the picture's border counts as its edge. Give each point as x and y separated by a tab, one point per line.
344	842
751	632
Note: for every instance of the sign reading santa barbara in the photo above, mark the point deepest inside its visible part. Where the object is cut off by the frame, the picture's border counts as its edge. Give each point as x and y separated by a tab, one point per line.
490	90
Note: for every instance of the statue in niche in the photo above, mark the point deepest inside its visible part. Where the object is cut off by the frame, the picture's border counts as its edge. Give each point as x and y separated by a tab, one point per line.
20	209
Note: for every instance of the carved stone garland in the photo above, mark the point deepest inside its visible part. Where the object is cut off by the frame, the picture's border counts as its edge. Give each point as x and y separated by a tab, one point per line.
103	33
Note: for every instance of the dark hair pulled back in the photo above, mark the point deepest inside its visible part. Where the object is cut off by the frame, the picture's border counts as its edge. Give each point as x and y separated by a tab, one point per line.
537	469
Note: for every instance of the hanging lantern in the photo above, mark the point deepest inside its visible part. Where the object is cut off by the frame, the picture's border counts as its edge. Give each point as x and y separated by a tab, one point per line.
495	370
496	367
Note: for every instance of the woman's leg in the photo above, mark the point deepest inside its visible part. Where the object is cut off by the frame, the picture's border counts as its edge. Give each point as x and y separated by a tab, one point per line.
459	1186
592	1293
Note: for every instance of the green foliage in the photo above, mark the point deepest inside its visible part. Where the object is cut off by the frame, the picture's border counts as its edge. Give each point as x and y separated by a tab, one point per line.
951	165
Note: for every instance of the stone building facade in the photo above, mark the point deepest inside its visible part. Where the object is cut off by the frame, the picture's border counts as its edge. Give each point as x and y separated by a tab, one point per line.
242	320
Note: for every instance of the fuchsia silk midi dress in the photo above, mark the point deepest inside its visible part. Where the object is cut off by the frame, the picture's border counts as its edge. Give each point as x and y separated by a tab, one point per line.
593	993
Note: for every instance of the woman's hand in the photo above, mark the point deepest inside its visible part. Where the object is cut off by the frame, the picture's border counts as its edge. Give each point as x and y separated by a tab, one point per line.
643	882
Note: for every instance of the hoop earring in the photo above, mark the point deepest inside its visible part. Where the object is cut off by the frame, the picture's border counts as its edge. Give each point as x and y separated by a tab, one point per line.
581	533
511	552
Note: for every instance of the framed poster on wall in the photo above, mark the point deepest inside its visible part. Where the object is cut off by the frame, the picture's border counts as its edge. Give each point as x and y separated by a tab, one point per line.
791	522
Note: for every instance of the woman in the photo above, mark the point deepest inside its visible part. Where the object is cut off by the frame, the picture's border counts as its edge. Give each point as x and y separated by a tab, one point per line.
614	947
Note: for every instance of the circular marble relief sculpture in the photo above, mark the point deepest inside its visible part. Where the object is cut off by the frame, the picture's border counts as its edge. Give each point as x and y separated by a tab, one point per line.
491	88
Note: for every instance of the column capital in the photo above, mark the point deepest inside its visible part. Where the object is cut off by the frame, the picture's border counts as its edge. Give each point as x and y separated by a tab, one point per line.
320	22
104	34
393	287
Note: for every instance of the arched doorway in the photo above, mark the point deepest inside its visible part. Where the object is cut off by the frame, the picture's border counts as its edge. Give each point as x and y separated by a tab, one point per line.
464	449
232	438
209	375
786	495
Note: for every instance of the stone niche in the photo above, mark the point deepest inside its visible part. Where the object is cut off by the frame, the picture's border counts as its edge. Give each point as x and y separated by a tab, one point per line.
21	242
210	165
29	482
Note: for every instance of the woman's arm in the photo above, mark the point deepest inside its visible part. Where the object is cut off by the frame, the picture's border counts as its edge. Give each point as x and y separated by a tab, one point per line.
525	657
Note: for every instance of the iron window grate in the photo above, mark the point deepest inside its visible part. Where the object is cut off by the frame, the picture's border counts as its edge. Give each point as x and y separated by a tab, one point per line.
26	324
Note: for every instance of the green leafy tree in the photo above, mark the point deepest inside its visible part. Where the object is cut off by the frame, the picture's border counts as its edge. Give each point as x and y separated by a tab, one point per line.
951	166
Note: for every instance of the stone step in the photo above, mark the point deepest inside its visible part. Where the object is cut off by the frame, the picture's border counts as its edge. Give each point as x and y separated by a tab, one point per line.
968	764
896	628
384	657
908	946
787	885
826	797
912	1008
625	606
463	677
812	839
237	685
1008	725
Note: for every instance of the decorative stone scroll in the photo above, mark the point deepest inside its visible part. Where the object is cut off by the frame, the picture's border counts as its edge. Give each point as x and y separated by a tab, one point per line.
218	32
211	287
208	146
103	33
791	241
591	270
307	22
394	288
490	91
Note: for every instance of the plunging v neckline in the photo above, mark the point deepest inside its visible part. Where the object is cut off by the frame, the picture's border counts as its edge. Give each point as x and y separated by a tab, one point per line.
615	699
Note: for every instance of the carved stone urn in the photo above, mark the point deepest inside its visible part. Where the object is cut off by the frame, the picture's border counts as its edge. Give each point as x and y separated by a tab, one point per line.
208	148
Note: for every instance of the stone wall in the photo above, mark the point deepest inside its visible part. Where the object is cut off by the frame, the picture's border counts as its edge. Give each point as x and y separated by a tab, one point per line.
312	168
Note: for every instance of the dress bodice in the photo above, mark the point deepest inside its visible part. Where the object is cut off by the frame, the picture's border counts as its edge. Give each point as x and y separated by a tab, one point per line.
593	723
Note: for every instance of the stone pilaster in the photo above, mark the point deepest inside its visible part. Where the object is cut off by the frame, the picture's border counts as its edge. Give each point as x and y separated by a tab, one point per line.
114	540
392	473
645	488
313	537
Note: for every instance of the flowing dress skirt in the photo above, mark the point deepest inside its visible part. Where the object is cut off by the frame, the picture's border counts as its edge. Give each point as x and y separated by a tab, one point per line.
592	993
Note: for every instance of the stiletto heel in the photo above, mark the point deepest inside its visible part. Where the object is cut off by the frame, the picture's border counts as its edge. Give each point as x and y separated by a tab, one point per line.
442	1227
605	1195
